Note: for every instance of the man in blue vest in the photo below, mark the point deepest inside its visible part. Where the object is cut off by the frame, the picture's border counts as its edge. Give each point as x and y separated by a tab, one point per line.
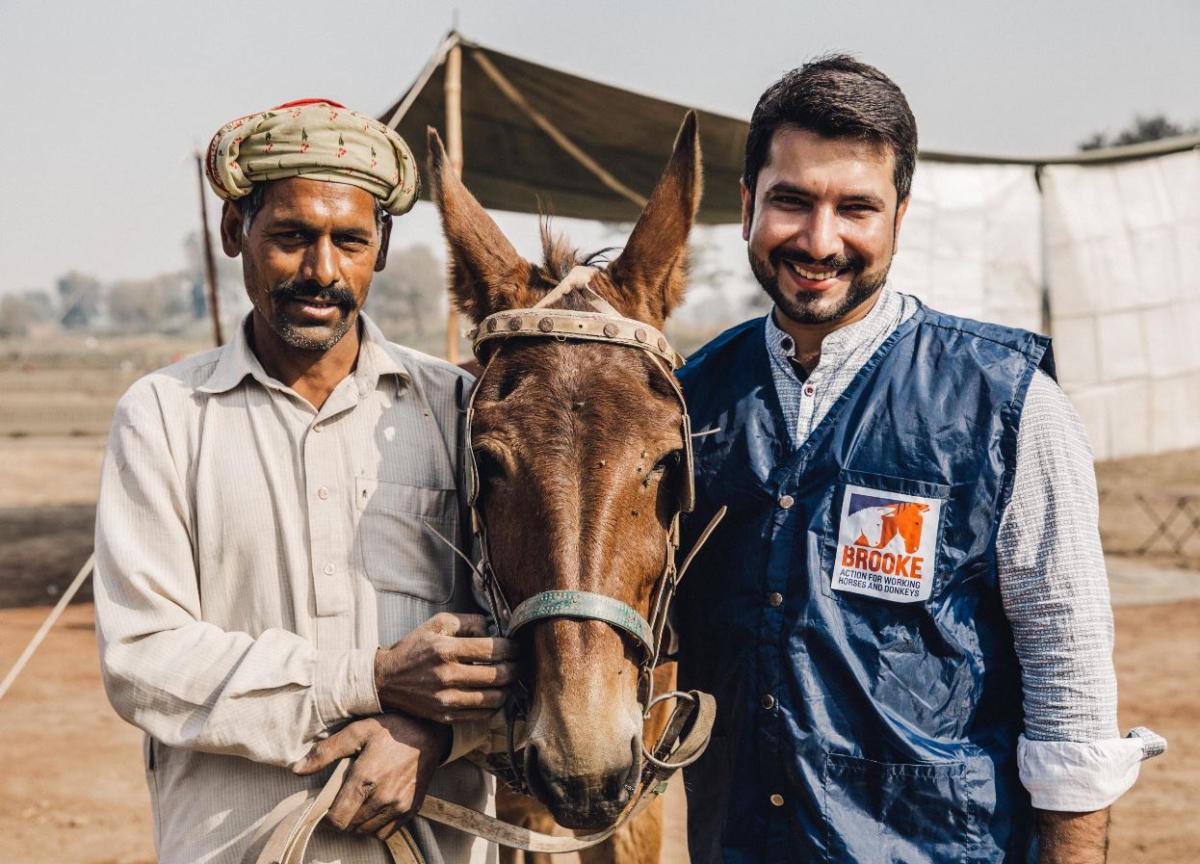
905	615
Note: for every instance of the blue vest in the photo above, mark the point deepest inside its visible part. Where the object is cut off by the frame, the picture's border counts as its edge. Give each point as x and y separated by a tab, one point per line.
846	613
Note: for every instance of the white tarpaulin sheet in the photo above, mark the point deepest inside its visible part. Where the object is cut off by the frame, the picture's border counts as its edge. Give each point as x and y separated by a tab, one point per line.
1123	265
971	243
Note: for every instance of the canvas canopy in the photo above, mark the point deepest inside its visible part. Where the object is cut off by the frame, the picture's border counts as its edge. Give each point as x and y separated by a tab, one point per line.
512	163
538	139
1100	249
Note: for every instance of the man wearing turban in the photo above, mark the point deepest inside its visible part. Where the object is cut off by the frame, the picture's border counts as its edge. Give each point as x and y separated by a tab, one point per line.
264	527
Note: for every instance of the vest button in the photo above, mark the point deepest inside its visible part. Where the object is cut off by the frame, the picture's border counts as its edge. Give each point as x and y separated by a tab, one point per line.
775	599
767	701
777	799
786	501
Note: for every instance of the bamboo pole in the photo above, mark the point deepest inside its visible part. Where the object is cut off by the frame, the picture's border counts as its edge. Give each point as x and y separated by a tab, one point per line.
454	143
210	264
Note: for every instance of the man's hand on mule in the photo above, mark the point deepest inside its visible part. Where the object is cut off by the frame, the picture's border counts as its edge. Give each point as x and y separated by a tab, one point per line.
396	758
446	670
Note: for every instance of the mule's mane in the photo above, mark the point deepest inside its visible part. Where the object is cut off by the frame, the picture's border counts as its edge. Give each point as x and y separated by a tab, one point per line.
559	256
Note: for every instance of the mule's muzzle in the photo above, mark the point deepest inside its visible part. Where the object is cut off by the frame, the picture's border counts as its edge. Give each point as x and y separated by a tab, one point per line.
582	801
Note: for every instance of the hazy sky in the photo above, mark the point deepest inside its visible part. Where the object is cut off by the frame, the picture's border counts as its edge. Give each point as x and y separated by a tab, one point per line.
105	102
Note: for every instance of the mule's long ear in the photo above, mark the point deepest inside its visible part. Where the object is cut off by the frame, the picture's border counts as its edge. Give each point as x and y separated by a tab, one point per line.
486	273
651	269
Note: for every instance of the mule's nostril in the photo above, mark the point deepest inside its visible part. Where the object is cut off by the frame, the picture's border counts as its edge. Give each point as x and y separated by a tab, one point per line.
542	787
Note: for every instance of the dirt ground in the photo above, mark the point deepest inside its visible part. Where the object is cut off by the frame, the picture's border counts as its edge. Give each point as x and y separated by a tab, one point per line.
72	785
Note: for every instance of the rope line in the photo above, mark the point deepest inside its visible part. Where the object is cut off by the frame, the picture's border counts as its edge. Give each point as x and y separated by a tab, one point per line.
55	614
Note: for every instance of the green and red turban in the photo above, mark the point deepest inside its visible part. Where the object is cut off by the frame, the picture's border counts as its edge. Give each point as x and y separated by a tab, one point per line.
317	139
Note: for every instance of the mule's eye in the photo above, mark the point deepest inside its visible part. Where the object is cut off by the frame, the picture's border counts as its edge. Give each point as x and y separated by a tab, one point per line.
488	464
667	463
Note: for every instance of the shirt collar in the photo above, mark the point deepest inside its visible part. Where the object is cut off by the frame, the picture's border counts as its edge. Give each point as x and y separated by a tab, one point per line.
237	360
887	309
376	358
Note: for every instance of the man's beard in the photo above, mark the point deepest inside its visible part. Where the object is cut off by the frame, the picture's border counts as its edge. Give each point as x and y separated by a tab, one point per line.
295	336
805	308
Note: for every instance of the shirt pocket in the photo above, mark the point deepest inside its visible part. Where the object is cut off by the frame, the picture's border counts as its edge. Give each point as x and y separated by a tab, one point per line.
399	551
897	812
882	539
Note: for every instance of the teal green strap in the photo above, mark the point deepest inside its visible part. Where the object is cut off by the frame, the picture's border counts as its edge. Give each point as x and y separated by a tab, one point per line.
585	605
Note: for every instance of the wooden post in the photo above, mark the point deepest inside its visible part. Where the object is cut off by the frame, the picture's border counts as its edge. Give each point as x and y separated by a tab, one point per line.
454	143
210	264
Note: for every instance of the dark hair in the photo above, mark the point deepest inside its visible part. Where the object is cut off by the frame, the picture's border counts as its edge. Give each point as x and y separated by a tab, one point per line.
836	96
249	205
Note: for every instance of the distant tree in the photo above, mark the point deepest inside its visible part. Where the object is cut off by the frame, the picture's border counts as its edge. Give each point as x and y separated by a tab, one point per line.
79	299
407	296
159	304
16	314
1151	127
229	277
41	304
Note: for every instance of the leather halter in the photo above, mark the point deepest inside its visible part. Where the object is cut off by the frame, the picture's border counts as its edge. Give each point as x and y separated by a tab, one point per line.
601	322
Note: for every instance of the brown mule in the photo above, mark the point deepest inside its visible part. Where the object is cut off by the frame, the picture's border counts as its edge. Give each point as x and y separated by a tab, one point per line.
578	448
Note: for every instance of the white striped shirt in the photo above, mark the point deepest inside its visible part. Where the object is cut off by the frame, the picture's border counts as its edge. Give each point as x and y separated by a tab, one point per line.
251	554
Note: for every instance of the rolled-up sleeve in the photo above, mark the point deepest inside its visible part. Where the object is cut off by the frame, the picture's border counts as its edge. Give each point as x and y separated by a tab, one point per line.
186	682
1055	592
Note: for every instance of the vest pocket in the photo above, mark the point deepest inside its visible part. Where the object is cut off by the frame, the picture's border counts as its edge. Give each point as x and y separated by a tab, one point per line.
896	812
399	552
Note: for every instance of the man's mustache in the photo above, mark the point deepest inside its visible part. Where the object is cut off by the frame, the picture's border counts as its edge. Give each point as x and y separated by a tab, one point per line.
292	289
853	263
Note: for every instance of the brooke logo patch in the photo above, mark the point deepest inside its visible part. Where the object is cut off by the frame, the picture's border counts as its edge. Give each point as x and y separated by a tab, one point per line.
887	545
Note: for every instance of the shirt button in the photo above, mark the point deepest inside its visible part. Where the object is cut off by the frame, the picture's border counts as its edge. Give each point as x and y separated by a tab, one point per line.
775	599
809	389
322	493
328	569
786	501
767	701
777	799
